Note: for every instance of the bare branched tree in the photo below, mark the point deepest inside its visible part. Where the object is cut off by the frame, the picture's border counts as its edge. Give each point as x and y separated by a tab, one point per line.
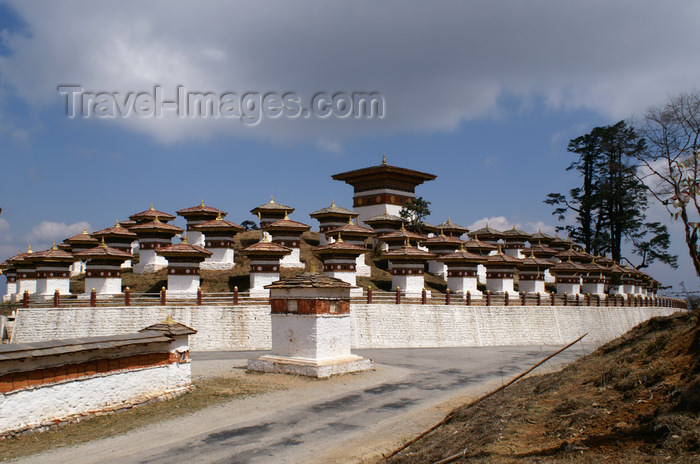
670	168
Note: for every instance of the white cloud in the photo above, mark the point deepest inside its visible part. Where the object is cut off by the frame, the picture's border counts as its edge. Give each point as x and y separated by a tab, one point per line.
436	66
48	231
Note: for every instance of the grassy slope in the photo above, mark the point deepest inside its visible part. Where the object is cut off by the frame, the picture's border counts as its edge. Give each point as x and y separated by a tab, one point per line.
635	399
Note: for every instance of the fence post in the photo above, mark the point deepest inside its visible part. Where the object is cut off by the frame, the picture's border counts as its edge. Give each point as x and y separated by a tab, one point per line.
566	299
398	295
469	298
162	296
488	297
551	298
25	299
523	300
597	297
369	295
588	299
423	297
539	299
93	298
127	296
506	298
235	295
607	300
447	297
56	298
578	299
199	296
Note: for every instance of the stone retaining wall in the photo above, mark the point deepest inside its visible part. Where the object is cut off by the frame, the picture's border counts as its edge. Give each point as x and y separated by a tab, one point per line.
238	328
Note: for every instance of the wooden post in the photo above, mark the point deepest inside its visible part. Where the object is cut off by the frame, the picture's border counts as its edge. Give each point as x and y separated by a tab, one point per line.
199	296
488	297
539	299
551	298
162	296
235	295
369	295
93	298
398	295
469	298
25	299
447	297
607	300
578	299
523	300
127	296
588	299
566	299
56	298
506	298
597	297
423	297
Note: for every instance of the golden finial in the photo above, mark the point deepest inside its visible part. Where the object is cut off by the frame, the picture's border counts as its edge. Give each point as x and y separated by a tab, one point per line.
500	252
102	243
350	220
384	160
332	203
259	218
29	250
286	217
461	246
169	320
219	217
18	253
340	238
152	208
442	234
407	242
201	203
53	247
312	267
272	199
386	209
184	238
402	226
157	219
85	230
116	224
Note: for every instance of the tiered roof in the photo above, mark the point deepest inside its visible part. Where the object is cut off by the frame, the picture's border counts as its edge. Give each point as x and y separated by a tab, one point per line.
201	210
271	206
450	228
150	214
333	211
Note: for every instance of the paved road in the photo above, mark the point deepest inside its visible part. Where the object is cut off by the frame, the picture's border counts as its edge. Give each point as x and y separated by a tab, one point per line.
337	420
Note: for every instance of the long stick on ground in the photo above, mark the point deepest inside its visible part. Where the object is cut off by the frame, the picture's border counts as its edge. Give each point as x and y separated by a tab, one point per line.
450	415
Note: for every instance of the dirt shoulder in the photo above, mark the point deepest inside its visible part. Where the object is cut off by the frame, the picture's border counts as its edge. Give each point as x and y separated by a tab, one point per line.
635	399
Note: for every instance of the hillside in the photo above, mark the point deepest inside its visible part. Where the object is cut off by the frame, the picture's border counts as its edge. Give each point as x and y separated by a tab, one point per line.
635	399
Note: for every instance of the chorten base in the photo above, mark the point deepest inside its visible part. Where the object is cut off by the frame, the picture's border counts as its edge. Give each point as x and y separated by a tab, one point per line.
320	369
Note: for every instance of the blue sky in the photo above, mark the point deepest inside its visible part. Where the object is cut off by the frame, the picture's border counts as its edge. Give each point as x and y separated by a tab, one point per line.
485	95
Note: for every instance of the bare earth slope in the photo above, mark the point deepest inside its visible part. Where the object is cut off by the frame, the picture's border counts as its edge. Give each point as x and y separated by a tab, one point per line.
635	399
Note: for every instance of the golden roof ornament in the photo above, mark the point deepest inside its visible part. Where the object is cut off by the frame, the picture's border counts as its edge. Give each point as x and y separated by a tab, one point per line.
383	160
332	203
272	199
152	208
259	217
201	203
102	243
116	224
157	219
54	247
219	217
312	267
402	226
169	319
407	242
340	238
286	217
442	234
350	220
29	250
85	230
184	238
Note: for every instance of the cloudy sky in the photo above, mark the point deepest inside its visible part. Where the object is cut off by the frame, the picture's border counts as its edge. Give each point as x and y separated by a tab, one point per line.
485	95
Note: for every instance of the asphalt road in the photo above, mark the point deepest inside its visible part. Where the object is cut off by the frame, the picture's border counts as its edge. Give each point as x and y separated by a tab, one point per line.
337	420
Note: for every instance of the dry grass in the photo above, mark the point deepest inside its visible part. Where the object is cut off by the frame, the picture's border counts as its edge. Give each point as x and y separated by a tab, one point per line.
636	399
208	392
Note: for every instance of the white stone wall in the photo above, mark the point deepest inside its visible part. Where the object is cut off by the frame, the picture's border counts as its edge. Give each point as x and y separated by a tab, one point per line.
372	326
47	287
462	285
532	286
150	262
366	212
227	328
313	337
10	290
41	405
220	260
24	285
183	285
104	286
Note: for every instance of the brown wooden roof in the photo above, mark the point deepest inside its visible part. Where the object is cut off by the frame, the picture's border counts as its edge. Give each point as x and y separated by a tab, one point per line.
105	252
184	250
333	211
263	248
394	176
272	206
156	226
307	280
116	231
287	224
219	225
151	214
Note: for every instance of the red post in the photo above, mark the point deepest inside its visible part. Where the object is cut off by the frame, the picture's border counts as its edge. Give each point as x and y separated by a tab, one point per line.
235	295
56	298
469	298
566	299
162	296
127	296
539	299
488	297
369	295
577	299
398	295
93	298
424	296
607	300
25	299
551	298
447	297
522	298
597	297
506	298
199	296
